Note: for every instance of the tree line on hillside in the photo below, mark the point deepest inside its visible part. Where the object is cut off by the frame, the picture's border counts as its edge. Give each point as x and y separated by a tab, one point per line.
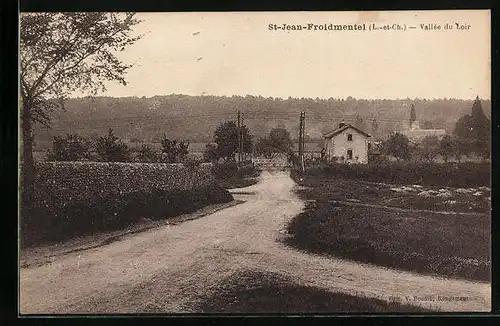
470	137
182	115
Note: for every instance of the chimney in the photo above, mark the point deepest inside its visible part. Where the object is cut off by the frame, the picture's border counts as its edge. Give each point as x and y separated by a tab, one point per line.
341	124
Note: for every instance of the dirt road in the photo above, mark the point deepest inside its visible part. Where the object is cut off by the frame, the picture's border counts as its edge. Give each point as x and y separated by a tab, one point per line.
166	269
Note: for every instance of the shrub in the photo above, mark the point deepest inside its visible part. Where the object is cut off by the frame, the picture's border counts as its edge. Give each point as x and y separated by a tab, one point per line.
225	170
173	151
70	147
147	154
111	149
425	173
211	153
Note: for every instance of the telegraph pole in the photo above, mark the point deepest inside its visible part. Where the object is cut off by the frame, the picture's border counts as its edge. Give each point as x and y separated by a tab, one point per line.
300	135
242	143
303	124
301	140
239	137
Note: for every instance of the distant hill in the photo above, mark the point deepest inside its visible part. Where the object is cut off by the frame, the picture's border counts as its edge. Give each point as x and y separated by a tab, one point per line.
194	118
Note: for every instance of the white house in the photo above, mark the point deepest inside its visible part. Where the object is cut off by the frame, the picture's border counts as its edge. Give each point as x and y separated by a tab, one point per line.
347	142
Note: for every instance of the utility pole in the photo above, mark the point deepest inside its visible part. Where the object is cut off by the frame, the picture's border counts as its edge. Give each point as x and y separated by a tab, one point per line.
301	140
239	137
242	143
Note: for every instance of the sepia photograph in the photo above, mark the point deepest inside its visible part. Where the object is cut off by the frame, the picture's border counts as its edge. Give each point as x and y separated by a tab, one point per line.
254	162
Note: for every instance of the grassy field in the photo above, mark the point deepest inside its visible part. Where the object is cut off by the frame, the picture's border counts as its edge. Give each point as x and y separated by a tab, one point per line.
255	292
455	245
435	198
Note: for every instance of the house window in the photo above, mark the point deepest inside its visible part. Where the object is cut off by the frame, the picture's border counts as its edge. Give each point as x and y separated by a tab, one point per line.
349	154
349	137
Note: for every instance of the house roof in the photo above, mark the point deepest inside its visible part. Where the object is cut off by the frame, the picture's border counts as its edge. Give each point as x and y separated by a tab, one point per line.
347	126
422	133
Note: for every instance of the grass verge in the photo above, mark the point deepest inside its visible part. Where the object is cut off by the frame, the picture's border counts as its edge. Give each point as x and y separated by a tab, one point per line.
255	292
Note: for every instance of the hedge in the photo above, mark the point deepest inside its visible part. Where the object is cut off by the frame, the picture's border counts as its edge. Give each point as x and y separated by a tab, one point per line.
465	174
76	198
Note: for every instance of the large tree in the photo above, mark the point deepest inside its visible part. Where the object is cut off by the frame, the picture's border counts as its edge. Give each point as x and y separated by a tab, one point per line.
413	114
278	141
398	146
59	54
474	126
226	138
447	147
375	127
430	148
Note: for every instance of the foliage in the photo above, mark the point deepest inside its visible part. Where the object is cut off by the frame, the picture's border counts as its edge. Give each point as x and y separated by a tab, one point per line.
74	198
211	153
70	147
225	170
375	126
465	174
475	128
226	138
430	148
447	147
413	114
191	162
147	154
278	141
397	145
229	175
462	148
263	147
173	151
60	53
111	149
442	112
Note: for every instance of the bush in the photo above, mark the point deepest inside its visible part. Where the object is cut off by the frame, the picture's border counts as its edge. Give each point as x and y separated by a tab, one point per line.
147	154
224	171
70	147
111	149
173	151
465	174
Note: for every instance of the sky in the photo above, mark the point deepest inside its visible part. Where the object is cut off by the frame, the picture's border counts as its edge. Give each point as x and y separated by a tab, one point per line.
236	54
